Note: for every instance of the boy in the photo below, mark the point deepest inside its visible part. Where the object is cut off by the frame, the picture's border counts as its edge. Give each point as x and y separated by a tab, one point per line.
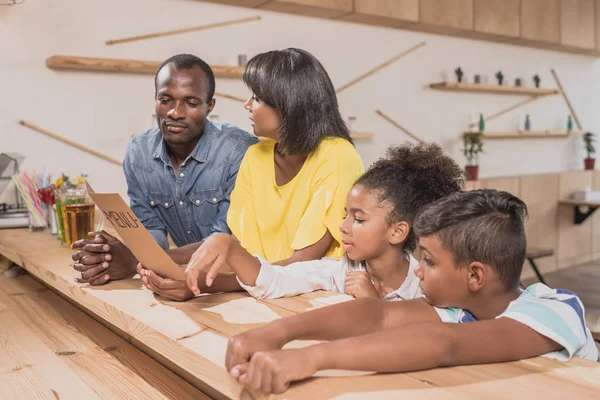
473	245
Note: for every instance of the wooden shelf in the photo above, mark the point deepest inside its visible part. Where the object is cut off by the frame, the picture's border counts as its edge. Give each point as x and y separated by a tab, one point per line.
498	89
361	135
530	134
128	66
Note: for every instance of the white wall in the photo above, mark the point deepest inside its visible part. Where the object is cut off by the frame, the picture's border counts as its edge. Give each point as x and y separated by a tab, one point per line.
103	110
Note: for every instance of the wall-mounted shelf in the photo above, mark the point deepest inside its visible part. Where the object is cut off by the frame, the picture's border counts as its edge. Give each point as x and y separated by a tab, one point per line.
530	134
498	89
361	135
581	215
130	66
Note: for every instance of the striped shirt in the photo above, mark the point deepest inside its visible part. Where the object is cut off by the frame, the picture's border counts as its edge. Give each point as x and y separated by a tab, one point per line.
554	313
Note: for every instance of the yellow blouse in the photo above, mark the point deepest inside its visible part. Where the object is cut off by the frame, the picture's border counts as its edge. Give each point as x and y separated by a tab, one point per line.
274	221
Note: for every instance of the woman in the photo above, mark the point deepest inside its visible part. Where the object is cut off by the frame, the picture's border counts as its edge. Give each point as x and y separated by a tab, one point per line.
290	191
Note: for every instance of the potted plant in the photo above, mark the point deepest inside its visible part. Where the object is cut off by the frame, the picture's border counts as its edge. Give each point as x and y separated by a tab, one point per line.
472	146
589	138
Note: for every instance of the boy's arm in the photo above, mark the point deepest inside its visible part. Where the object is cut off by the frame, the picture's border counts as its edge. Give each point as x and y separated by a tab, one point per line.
351	318
408	348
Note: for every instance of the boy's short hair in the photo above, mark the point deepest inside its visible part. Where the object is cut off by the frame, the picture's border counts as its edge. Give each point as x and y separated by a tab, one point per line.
480	225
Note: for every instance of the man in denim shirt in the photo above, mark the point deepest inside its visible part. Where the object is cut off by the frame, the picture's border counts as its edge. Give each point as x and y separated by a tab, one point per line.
179	175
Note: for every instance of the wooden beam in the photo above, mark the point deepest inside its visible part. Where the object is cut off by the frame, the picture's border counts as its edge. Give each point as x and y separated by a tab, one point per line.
564	94
129	66
397	125
361	135
71	143
180	31
380	67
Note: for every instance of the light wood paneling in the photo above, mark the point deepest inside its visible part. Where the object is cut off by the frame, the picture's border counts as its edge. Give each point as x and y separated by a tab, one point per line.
242	3
595	219
540	194
540	20
597	23
450	14
574	241
312	8
510	185
393	13
498	17
577	23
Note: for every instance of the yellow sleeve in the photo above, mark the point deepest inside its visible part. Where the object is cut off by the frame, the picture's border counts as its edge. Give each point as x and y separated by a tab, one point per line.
241	217
331	184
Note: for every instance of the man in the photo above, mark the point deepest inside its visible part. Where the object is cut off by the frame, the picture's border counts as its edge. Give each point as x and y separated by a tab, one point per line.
179	175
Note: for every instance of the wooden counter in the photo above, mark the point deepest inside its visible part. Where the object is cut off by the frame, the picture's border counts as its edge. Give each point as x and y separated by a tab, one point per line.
190	339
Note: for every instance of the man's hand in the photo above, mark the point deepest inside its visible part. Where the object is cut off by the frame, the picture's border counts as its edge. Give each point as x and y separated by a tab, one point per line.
169	288
359	285
102	259
274	371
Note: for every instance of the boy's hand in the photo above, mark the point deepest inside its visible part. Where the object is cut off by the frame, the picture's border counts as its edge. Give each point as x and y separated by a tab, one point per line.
241	347
359	285
165	287
213	254
274	371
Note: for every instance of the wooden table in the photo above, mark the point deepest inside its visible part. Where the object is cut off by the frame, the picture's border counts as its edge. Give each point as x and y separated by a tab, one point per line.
190	340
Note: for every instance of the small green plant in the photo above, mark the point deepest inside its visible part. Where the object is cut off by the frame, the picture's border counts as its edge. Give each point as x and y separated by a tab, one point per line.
472	146
589	138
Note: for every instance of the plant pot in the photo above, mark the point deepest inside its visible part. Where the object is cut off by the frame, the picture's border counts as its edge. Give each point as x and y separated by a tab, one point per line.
472	172
589	163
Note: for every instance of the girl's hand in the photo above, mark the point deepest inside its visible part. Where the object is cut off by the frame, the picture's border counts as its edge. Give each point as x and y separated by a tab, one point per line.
213	254
359	285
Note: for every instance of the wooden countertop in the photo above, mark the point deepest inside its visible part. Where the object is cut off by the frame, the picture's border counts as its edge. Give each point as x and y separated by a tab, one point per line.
190	339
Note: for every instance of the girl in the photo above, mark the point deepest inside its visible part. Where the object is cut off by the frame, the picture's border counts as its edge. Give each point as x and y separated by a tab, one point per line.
376	233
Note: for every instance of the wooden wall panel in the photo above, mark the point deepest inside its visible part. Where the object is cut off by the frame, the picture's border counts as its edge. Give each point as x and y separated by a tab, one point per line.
540	20
498	17
595	219
312	8
510	185
540	194
393	13
574	241
449	14
577	26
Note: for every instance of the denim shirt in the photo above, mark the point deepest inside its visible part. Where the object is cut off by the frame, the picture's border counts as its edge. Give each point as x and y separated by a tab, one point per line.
193	203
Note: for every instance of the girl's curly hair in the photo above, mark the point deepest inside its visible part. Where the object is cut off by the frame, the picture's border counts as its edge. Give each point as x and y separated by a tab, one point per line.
411	177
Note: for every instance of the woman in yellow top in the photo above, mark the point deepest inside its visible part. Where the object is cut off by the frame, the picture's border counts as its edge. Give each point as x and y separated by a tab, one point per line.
290	191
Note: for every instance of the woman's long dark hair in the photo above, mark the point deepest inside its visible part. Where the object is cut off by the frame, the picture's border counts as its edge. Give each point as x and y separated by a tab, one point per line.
294	83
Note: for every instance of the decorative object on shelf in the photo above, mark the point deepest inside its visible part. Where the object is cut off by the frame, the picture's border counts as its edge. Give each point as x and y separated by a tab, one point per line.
477	78
518	82
379	67
242	60
459	74
527	123
397	125
492	89
536	80
569	124
564	95
184	30
481	123
500	77
589	139
472	146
